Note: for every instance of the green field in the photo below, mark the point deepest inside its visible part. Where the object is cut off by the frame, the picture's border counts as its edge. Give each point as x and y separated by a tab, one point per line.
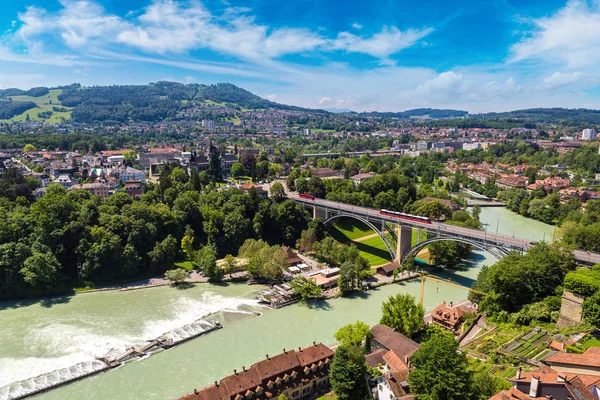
350	229
347	230
44	103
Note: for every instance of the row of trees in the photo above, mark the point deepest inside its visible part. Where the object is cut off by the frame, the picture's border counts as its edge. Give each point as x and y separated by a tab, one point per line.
67	238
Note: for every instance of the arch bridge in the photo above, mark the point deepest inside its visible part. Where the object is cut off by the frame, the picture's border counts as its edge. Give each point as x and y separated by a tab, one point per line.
400	247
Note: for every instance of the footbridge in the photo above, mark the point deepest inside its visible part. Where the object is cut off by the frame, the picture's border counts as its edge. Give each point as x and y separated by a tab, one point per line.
401	231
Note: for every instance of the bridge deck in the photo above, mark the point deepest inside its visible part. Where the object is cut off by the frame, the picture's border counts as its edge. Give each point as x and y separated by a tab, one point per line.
441	229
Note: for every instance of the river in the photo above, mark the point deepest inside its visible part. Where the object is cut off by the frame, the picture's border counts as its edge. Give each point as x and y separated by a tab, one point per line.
37	337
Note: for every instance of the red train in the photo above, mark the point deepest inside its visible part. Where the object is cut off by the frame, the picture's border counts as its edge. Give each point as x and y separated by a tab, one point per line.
307	196
401	215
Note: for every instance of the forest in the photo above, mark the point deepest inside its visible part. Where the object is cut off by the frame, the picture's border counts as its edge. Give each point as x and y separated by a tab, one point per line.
72	238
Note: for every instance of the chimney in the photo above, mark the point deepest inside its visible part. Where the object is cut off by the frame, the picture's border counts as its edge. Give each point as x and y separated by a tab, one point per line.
561	379
235	371
284	352
217	383
299	348
268	357
195	391
518	376
244	368
314	343
451	304
533	388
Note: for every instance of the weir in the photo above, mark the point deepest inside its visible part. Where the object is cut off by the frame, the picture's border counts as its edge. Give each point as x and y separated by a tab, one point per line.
55	379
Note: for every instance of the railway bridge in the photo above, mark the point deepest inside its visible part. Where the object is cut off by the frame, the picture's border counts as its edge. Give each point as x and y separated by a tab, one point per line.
401	231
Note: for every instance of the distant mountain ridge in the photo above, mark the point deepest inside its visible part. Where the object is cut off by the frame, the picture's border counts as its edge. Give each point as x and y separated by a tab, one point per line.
154	102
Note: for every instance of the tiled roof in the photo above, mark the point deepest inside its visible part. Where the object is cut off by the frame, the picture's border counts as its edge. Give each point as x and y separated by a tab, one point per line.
590	358
395	341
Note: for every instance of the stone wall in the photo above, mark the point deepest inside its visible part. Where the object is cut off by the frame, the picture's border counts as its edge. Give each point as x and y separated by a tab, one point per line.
570	310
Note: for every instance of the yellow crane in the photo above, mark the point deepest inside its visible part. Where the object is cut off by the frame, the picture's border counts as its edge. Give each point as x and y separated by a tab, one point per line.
424	277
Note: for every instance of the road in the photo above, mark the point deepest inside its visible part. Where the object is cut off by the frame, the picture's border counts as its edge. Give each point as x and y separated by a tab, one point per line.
488	238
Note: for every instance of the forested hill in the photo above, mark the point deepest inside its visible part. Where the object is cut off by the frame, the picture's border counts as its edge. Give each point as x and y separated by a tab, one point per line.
546	115
152	103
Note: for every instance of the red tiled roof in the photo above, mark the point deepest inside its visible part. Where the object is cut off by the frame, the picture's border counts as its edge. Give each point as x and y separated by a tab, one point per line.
591	358
395	341
395	363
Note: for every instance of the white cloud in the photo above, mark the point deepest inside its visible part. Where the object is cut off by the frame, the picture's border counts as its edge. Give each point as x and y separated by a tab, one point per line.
383	44
356	25
572	36
561	79
272	97
325	100
171	26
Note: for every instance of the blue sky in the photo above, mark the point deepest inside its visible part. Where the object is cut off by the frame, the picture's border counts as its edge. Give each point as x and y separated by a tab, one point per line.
386	55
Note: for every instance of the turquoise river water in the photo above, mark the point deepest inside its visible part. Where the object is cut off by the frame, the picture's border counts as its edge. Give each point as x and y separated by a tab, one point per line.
67	333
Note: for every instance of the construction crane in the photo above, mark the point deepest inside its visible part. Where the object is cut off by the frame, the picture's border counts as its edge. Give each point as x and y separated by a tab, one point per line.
424	277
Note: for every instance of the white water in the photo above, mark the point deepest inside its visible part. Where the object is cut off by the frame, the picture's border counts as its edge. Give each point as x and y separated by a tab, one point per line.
67	349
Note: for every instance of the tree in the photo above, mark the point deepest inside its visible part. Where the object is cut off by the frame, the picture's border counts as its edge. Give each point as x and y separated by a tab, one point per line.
129	157
214	165
164	253
441	371
355	334
348	277
591	309
306	288
187	245
230	264
403	314
237	170
277	190
316	187
40	269
177	275
485	385
206	259
347	373
29	147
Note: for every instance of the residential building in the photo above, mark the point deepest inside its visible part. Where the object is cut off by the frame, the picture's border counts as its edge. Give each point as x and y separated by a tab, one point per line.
134	188
247	187
450	316
301	374
422	145
548	383
307	131
129	173
588	134
324	173
471	146
97	189
66	181
227	161
587	363
208	124
511	181
358	178
43	178
391	354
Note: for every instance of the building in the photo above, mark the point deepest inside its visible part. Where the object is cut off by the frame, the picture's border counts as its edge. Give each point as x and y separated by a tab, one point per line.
588	134
587	363
509	182
548	383
227	161
66	181
129	173
134	188
422	145
208	124
358	178
307	131
301	374
471	146
247	187
97	189
324	173
450	316
391	354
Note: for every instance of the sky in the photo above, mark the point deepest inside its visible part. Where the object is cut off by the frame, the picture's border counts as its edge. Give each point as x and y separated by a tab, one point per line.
376	55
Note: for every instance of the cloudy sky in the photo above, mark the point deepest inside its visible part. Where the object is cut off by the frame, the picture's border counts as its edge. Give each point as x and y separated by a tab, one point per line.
386	55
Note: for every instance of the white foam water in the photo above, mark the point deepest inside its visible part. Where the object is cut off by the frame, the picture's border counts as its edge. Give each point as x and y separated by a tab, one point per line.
73	349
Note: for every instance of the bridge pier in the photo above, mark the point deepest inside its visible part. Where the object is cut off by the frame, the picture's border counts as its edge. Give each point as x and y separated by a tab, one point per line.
320	213
404	243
